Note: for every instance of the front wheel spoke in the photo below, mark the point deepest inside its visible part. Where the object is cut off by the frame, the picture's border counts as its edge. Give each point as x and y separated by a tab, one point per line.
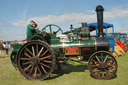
110	61
40	52
96	69
44	53
102	74
106	72
102	57
45	65
94	66
110	65
44	70
105	58
45	57
98	73
29	51
97	59
27	68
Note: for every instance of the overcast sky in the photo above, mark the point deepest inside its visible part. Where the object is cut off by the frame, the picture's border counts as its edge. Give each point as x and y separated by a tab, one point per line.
16	14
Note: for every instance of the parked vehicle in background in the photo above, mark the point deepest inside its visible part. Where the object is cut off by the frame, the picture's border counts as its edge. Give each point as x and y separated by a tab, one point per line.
121	40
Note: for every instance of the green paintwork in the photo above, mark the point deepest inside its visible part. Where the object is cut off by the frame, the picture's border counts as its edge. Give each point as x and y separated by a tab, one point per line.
56	41
16	47
84	32
89	42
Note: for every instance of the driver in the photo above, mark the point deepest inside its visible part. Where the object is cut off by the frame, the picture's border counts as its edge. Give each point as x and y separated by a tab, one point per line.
31	30
36	26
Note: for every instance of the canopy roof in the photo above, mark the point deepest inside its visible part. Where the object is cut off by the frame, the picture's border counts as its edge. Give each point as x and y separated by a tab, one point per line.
93	26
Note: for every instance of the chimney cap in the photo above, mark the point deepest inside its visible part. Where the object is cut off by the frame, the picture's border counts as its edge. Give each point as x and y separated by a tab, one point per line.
99	8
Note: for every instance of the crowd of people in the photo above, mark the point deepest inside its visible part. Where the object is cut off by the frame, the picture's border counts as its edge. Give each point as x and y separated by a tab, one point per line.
5	46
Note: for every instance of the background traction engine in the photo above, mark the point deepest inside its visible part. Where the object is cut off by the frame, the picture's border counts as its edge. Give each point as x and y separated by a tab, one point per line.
37	59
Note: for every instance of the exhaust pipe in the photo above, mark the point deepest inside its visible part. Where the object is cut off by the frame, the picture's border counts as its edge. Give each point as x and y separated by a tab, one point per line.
99	10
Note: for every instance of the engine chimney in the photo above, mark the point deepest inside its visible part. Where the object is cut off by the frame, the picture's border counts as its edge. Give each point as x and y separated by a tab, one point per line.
99	10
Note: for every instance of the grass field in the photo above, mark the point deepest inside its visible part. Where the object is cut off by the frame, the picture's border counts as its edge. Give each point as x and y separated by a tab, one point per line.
76	74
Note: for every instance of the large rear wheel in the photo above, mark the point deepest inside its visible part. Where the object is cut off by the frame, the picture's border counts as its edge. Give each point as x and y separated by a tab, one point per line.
14	59
36	60
102	65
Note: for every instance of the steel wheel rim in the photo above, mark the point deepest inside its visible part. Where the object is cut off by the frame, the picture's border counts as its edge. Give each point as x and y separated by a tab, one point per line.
36	61
102	67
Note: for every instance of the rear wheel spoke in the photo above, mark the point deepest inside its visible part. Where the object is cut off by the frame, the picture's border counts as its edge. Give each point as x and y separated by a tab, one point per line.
27	68
40	52
36	49
25	58
33	51
45	65
44	69
29	51
44	53
27	55
46	61
45	57
26	63
39	69
31	69
35	72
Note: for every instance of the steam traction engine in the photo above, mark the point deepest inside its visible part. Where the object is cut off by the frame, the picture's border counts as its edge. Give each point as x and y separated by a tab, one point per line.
37	58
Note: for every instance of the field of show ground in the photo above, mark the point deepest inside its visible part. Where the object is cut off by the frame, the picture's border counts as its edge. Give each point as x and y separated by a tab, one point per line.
75	74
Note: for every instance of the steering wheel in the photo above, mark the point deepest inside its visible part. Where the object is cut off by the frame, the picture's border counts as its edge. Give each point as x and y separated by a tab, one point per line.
50	26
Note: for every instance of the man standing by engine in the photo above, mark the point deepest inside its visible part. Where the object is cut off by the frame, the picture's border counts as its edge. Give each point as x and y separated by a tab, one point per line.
30	30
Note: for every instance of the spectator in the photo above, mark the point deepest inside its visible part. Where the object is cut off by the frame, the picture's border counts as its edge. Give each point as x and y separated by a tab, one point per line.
7	47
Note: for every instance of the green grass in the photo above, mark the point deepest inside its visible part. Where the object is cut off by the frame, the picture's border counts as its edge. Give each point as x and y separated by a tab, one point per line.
76	74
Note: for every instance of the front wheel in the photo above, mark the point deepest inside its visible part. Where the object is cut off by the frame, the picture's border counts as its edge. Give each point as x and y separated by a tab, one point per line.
36	60
102	65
